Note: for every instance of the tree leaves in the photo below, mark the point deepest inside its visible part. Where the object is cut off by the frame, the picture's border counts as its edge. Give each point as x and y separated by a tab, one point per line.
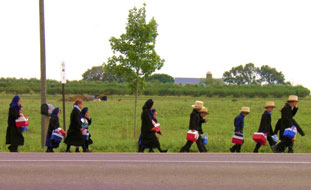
249	74
135	57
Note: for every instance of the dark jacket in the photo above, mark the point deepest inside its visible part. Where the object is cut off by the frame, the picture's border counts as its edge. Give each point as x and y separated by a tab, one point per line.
74	134
202	120
239	123
89	141
14	134
148	137
265	123
195	119
54	124
287	121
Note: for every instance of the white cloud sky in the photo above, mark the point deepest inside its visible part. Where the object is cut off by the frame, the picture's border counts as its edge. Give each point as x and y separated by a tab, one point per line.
194	36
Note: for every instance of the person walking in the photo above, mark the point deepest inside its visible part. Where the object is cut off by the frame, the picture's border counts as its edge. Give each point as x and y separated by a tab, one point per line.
194	125
287	113
74	135
54	124
203	113
86	121
148	137
239	126
265	126
14	136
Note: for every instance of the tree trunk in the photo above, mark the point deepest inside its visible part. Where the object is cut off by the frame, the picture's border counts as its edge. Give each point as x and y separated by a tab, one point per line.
135	112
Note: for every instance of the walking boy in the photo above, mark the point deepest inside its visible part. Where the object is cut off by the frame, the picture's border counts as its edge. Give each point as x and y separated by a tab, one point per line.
194	125
265	125
288	112
239	125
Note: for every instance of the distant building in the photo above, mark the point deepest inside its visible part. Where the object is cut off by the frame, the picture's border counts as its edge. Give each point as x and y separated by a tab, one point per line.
209	78
183	81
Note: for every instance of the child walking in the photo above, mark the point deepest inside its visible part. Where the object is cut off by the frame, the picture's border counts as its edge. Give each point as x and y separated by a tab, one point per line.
265	126
239	125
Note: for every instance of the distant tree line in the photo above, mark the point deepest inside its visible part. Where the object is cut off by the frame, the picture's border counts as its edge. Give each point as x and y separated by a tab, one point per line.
32	86
98	73
249	74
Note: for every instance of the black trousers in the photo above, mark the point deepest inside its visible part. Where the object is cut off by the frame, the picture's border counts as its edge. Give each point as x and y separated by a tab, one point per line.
285	142
13	148
270	140
200	145
83	147
236	148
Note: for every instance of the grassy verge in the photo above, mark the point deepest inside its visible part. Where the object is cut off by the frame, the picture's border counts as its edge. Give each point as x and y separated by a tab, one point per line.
112	127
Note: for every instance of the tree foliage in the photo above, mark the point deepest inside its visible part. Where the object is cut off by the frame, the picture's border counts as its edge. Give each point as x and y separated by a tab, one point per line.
135	57
162	78
95	73
271	75
98	73
249	74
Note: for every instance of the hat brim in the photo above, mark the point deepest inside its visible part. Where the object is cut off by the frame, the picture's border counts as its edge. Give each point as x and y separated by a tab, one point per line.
243	111
196	107
270	107
292	100
203	112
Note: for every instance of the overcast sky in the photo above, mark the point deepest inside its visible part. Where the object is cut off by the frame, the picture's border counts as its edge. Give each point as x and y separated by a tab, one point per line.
195	36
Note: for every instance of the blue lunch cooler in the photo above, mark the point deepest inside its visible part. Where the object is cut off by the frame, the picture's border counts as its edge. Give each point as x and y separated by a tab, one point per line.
290	132
86	135
56	137
205	139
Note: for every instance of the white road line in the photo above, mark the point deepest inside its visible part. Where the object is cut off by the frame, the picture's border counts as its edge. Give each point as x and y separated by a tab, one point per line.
166	161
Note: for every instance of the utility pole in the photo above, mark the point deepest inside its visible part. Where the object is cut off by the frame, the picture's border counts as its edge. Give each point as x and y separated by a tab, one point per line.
44	119
63	92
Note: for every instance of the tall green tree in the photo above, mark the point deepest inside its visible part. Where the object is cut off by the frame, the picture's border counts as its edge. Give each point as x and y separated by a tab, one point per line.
271	75
98	73
135	57
247	74
93	74
162	78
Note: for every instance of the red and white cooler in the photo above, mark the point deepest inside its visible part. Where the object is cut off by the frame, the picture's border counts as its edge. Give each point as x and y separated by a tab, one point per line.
260	138
21	122
157	127
192	135
237	139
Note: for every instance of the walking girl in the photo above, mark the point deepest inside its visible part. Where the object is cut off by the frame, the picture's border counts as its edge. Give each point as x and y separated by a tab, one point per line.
86	121
75	136
54	124
148	137
14	136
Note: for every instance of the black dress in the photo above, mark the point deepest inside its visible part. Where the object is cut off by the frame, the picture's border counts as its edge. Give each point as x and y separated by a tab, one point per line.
54	124
148	137
14	135
74	134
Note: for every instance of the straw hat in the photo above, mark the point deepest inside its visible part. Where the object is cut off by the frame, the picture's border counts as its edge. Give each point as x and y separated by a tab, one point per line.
292	98
204	110
198	105
245	110
270	105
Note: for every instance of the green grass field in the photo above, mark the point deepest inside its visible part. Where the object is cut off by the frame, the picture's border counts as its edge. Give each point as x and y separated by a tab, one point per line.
112	127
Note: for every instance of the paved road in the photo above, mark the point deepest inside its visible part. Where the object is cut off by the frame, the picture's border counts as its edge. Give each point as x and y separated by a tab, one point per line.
154	171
